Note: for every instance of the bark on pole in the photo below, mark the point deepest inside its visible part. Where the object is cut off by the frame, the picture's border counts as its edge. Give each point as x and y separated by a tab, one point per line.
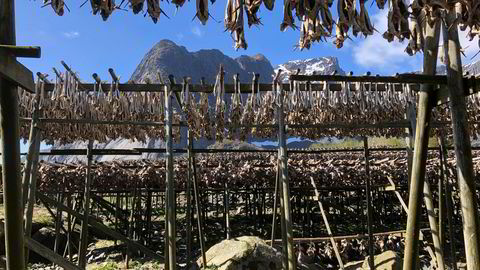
171	232
10	148
371	253
284	181
461	138
424	112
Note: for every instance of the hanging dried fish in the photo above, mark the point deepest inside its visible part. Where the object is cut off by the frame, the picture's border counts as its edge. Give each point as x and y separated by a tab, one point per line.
326	15
57	6
269	4
202	11
154	10
341	35
178	3
363	20
251	8
106	8
95	6
219	92
288	20
136	5
237	28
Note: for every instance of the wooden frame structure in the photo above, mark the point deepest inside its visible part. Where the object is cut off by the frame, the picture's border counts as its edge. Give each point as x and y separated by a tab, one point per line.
454	89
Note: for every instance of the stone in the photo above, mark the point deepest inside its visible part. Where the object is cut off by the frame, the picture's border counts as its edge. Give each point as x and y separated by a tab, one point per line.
388	260
246	252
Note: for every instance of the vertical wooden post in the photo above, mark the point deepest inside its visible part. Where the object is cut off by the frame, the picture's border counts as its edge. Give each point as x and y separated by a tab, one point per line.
170	185
461	138
441	203
425	105
371	258
198	209
10	148
58	220
428	197
82	251
448	196
410	139
227	211
283	162
189	200
30	181
275	206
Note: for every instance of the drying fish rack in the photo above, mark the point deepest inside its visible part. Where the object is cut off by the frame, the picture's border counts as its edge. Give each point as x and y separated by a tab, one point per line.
131	208
424	36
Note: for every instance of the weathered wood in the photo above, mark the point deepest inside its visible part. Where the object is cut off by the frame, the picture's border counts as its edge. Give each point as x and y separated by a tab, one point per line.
15	73
102	228
33	146
226	195
461	138
371	253
285	187
428	198
58	219
448	197
22	51
170	185
275	204
9	144
82	252
441	203
426	100
189	200
199	211
49	254
327	225
400	233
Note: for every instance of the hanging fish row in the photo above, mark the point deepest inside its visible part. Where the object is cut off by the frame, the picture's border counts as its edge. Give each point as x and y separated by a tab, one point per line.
404	20
236	116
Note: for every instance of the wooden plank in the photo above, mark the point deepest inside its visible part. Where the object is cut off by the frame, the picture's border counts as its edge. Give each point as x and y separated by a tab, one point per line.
104	229
22	51
16	73
50	255
325	221
461	138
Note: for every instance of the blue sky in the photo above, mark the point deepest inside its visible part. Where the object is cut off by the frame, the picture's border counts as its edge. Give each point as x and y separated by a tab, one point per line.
89	44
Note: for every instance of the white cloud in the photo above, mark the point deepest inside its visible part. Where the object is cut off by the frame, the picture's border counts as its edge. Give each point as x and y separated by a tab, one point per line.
375	51
71	34
197	31
470	47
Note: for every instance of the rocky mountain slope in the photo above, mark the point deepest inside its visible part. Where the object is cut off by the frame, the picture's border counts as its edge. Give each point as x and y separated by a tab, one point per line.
166	58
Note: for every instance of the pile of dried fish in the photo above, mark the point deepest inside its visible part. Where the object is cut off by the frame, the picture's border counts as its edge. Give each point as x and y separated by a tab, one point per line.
244	171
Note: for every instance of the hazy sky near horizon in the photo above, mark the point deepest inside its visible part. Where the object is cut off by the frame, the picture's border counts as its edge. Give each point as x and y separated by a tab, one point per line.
89	44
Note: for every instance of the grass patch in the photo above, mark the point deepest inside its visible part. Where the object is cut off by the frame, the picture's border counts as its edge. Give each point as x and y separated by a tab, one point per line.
40	215
372	142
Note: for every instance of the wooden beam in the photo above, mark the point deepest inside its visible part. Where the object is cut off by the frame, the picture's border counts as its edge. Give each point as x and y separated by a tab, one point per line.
425	105
327	225
461	138
170	185
9	141
400	78
16	73
198	207
371	252
22	51
50	255
102	228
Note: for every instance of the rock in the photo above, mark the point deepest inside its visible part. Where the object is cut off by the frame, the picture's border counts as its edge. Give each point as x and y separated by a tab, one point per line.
246	252
46	237
388	260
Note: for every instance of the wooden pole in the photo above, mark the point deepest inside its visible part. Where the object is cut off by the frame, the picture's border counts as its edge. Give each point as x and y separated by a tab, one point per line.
284	178
371	258
10	147
32	149
189	200
461	138
82	251
425	105
227	211
448	195
170	185
275	205
30	175
198	209
441	203
428	198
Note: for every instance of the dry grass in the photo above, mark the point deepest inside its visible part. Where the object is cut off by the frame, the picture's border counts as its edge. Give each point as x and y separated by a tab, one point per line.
40	215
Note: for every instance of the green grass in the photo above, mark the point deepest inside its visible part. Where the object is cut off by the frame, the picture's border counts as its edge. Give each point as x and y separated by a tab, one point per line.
372	142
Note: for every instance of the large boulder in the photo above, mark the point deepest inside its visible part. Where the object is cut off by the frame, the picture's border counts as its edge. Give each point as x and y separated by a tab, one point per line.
246	252
388	260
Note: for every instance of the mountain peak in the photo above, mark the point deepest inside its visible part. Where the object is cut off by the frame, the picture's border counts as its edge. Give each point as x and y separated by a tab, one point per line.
166	57
320	65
